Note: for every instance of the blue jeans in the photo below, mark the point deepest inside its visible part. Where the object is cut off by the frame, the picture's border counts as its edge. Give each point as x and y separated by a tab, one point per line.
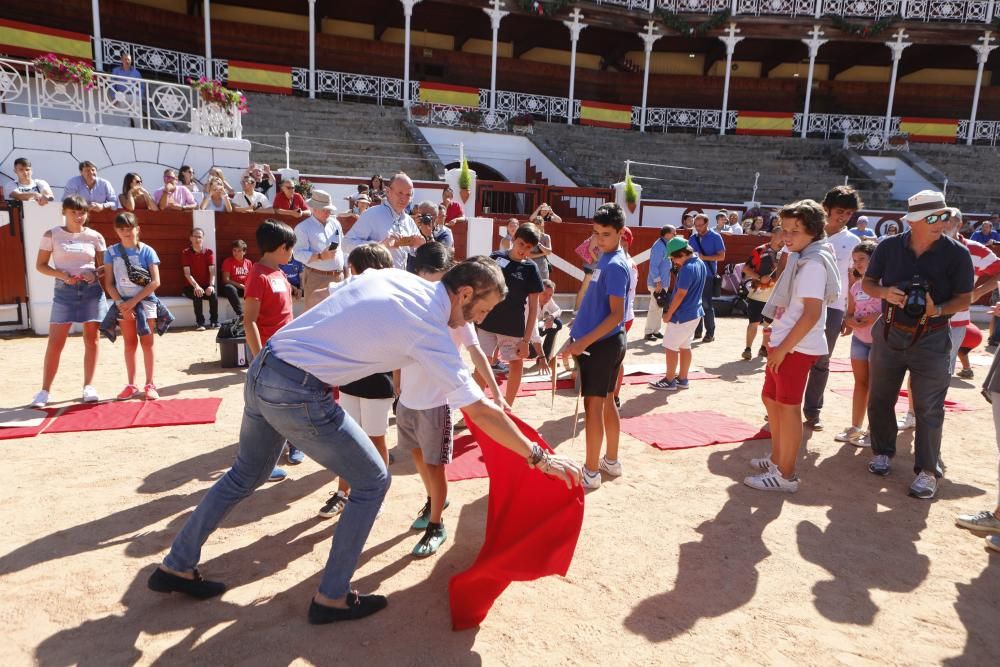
284	402
812	402
707	292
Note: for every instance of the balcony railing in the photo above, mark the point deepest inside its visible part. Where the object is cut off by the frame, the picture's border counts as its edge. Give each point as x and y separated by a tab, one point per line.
952	11
113	100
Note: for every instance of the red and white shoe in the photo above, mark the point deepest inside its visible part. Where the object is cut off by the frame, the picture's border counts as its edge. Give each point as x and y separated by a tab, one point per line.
128	392
151	393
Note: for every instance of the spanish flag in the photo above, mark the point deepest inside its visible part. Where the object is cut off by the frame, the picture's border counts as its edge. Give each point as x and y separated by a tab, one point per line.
603	114
259	77
930	130
765	123
443	93
26	40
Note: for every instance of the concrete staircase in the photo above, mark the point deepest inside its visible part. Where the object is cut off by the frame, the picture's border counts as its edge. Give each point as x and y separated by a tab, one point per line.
724	166
334	138
973	173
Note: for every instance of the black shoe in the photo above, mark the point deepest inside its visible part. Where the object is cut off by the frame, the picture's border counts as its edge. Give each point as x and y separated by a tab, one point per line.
651	336
162	581
762	352
618	403
708	339
658	335
213	325
814	423
358	606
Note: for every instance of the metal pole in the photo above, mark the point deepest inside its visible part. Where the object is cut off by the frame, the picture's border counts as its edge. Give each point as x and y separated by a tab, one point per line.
814	42
649	38
312	49
896	47
496	14
982	55
574	34
288	153
95	8
407	15
730	40
207	12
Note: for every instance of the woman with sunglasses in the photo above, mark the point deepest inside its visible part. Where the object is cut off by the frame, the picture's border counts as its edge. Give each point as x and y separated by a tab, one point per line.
134	197
289	202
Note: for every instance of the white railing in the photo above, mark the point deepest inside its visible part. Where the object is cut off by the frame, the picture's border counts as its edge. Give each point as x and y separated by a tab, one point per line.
688	119
113	100
462	117
838	125
182	66
957	11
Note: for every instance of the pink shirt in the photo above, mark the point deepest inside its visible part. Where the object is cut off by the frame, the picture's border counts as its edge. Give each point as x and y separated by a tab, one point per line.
180	196
864	306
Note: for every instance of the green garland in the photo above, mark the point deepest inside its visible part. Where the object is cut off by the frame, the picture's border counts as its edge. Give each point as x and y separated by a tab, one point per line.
675	22
865	31
542	7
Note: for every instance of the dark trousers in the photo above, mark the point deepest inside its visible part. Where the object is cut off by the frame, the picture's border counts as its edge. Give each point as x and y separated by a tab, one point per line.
199	313
812	403
927	361
707	293
549	336
234	294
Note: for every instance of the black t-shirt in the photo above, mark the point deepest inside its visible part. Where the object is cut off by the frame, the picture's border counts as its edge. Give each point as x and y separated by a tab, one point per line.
507	318
376	385
263	186
946	266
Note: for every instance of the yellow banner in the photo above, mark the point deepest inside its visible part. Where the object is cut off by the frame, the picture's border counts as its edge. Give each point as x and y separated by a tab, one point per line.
605	115
931	130
442	93
263	78
24	39
764	123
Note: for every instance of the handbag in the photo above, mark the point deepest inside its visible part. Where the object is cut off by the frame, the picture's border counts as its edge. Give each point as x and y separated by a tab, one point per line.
136	274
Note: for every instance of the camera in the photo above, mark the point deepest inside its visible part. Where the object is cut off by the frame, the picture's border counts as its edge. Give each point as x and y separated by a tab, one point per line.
427	218
915	301
334	245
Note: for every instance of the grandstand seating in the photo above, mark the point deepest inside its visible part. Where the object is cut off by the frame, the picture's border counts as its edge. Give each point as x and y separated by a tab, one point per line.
971	172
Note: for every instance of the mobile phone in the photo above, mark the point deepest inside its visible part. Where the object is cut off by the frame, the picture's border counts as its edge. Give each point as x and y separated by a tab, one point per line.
334	245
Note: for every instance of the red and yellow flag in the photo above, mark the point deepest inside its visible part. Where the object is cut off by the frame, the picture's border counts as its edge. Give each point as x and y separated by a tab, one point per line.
442	93
26	40
603	114
765	123
930	130
259	77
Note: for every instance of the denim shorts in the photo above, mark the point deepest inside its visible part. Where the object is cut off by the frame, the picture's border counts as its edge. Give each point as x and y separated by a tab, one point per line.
860	350
82	302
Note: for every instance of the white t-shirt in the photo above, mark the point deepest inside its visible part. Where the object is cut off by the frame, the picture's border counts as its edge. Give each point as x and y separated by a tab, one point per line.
254	201
810	283
380	321
633	282
843	243
416	394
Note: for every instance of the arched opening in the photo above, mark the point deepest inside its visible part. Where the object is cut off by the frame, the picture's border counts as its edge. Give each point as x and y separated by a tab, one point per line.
484	172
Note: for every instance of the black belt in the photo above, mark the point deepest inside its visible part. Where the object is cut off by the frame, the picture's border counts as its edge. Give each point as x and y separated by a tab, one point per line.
925	325
289	372
926	329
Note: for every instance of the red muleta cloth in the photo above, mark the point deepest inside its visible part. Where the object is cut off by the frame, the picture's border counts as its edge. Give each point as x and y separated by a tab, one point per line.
532	525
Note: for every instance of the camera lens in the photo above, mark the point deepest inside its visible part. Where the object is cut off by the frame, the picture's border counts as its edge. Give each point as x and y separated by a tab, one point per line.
426	218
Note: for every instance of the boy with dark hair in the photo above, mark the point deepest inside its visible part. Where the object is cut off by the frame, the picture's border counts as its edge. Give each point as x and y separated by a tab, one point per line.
683	315
509	327
598	342
235	271
761	268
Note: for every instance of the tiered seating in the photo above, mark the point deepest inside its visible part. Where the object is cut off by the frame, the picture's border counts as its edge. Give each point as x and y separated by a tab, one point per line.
972	173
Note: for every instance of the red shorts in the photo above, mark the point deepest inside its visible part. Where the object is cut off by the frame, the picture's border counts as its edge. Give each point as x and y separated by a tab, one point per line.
628	325
789	384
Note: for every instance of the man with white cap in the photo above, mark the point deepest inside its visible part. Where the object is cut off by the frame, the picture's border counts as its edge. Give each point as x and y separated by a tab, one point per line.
861	228
923	278
317	246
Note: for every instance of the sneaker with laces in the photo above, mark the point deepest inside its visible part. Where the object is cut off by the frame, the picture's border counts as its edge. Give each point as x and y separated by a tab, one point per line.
772	480
907	422
708	339
434	536
151	393
762	463
424	517
334	506
683	384
613	468
277	475
90	394
861	440
128	392
663	384
200	327
879	465
966	373
762	352
295	455
747	354
40	400
924	486
590	480
848	434
986	521
815	423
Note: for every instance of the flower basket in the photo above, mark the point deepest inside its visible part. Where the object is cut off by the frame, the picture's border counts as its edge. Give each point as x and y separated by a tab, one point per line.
631	195
472	117
213	92
464	181
420	111
64	70
305	188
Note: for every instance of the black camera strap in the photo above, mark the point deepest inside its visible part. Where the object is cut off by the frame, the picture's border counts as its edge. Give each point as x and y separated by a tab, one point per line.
918	331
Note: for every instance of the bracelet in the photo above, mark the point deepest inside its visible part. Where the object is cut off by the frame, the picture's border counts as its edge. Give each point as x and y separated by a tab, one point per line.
537	455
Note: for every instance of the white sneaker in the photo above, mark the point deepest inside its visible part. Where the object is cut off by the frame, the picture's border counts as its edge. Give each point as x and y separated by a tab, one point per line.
848	434
90	394
763	463
907	422
40	400
613	469
772	480
590	480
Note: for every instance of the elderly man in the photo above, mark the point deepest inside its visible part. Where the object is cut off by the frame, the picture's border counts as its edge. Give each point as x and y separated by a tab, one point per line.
97	192
317	246
861	229
389	224
986	234
173	195
658	282
923	278
430	219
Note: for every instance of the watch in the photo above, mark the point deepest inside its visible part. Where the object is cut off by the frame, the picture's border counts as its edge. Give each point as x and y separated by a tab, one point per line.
938	311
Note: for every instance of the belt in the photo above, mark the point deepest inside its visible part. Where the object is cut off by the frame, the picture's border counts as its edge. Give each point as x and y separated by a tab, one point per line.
927	329
325	273
289	372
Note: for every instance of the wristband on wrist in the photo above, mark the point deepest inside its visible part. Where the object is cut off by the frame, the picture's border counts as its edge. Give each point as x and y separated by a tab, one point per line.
537	455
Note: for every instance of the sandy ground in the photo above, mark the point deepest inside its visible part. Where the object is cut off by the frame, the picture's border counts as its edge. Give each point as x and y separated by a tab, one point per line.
678	562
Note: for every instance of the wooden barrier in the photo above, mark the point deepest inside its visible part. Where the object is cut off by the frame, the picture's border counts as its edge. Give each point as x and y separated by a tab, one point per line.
13	264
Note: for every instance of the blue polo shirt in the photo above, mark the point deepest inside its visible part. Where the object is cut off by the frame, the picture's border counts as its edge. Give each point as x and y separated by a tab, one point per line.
946	266
659	265
983	238
691	277
706	246
611	278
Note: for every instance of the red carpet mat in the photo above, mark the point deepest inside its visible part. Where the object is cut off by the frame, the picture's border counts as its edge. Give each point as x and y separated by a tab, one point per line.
178	412
466	461
683	430
132	414
903	404
840	365
28	431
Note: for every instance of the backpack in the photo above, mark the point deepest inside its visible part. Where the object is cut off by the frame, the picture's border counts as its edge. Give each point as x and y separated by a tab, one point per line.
232	329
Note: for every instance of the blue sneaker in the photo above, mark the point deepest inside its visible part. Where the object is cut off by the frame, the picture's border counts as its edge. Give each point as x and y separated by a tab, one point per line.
879	465
295	456
683	384
664	384
277	475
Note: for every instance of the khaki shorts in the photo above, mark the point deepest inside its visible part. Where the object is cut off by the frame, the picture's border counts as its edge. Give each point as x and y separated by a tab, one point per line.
507	345
430	431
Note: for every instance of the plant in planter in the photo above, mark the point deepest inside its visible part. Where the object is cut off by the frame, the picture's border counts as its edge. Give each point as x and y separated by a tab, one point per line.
305	188
631	195
464	181
65	70
472	117
420	111
213	92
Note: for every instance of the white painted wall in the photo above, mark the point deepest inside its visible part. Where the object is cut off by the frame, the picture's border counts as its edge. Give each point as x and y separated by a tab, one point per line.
504	152
56	148
905	181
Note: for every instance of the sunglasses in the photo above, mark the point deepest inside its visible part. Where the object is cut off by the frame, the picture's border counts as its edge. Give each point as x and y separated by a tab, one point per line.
937	217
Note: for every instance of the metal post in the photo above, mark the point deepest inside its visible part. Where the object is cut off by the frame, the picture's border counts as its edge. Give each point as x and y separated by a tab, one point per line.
407	15
982	55
896	47
288	153
95	8
648	38
207	12
496	14
814	42
312	49
574	34
730	40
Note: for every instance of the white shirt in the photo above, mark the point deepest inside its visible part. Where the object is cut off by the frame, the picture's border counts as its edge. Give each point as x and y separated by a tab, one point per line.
984	263
633	282
735	228
381	321
843	243
550	308
254	201
312	237
414	392
810	283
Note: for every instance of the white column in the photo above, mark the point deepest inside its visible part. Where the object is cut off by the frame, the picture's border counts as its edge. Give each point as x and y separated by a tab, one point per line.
574	34
95	8
982	55
496	13
814	42
407	15
207	13
730	40
896	47
648	39
312	49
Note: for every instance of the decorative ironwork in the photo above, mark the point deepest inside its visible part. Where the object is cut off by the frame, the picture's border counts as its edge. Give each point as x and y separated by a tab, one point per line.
181	66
